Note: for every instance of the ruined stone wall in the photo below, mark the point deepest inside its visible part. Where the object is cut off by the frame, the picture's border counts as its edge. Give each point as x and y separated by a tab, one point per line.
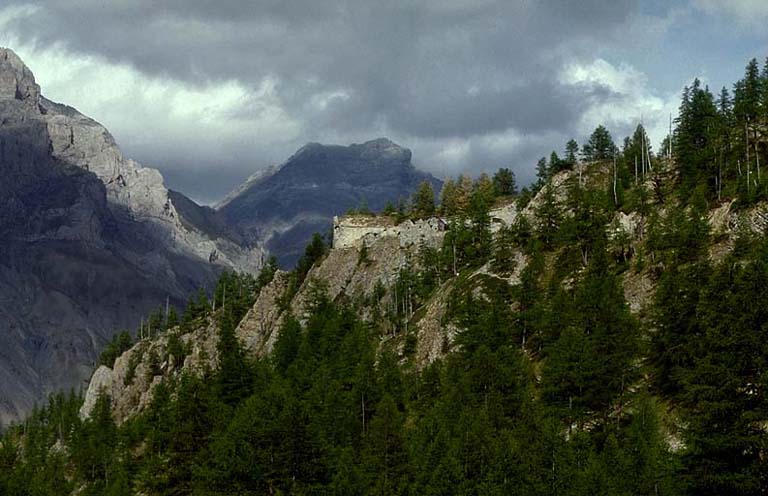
354	231
501	216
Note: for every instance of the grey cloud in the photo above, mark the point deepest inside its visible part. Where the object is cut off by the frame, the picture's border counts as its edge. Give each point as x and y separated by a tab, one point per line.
423	71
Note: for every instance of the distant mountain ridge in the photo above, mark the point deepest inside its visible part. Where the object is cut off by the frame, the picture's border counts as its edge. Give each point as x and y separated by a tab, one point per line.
282	206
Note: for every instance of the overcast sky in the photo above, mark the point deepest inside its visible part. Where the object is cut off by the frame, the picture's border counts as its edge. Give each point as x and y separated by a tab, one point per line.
211	91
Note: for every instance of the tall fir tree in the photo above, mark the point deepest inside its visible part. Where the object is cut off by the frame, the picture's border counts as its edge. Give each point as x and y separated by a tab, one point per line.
423	203
504	183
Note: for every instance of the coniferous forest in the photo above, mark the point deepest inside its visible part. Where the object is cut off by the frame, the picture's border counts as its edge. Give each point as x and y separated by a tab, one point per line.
552	385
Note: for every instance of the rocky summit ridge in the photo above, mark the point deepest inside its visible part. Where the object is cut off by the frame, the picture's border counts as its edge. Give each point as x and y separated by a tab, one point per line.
16	80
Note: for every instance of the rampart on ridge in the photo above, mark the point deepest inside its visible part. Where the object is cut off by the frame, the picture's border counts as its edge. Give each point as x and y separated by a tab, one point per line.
356	230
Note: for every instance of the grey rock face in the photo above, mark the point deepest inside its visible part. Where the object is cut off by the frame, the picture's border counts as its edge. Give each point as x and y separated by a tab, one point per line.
89	243
284	206
16	80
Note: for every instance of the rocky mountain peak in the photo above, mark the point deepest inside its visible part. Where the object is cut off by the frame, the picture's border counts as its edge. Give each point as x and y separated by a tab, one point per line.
91	242
16	80
284	207
377	151
383	147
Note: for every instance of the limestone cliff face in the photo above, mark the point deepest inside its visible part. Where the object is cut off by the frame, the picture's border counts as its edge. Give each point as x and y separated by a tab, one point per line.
131	381
17	81
90	242
342	274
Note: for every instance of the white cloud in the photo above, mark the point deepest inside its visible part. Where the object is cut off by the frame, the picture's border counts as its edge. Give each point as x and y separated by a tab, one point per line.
622	98
9	14
321	101
158	116
753	13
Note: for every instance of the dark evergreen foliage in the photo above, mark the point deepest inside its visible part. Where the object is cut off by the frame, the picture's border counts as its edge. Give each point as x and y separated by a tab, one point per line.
504	182
600	145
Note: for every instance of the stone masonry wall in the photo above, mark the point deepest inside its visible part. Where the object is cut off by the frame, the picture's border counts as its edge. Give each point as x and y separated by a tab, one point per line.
354	230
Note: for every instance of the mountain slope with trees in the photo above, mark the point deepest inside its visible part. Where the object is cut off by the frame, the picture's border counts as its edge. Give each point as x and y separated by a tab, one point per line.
610	340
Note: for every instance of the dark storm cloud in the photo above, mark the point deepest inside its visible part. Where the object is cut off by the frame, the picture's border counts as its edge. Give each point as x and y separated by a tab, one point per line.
398	58
433	70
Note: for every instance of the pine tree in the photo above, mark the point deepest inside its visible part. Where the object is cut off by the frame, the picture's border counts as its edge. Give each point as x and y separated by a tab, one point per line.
384	455
571	153
202	305
747	94
720	387
549	216
640	144
465	186
542	172
267	273
93	448
763	99
483	188
233	376
287	345
314	251
555	164
424	201
480	249
449	202
503	251
694	139
600	343
504	183
120	343
600	145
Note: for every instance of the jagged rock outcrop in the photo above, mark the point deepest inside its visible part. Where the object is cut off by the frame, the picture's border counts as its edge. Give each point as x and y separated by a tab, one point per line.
283	206
131	381
89	242
342	274
16	80
259	328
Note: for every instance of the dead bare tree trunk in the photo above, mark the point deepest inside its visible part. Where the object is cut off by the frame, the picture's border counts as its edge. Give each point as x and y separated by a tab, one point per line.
454	255
669	156
746	135
757	159
635	169
648	153
615	174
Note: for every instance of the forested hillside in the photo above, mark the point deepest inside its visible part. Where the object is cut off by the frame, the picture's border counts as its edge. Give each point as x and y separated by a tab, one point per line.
612	340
